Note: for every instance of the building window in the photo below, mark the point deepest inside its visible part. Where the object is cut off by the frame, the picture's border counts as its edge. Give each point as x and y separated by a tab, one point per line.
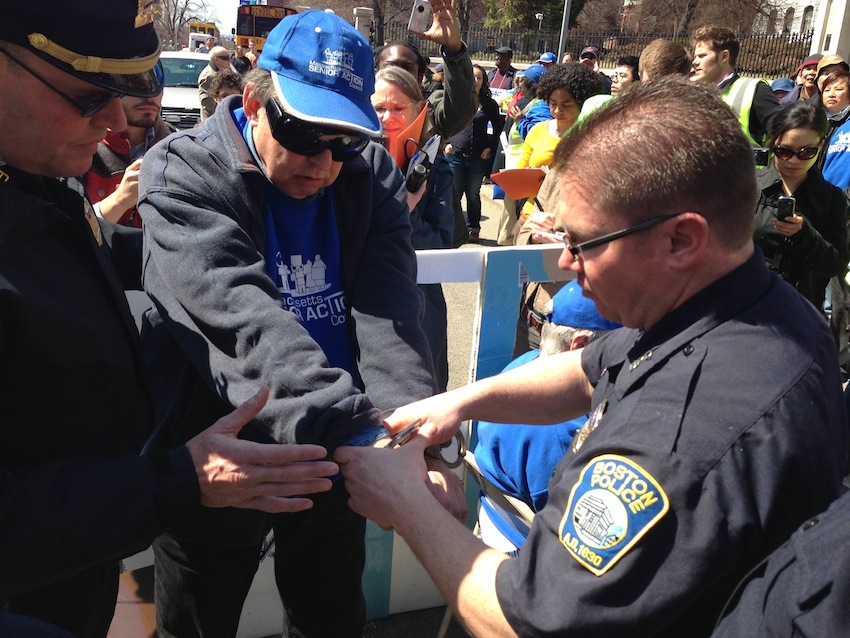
771	22
808	18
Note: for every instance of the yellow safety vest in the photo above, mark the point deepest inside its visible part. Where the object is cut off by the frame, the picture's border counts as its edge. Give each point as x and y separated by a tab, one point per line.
513	150
739	97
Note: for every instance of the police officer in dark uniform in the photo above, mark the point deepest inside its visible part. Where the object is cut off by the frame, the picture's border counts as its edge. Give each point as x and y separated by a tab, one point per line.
717	422
804	589
75	494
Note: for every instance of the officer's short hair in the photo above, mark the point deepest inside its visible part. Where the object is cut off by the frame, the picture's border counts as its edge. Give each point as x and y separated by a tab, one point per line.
718	39
678	148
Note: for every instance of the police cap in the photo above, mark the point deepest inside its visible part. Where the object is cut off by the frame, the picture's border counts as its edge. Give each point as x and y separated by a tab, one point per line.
109	43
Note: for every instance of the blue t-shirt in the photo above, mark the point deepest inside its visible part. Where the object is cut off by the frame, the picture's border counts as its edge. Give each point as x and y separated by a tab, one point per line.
836	166
303	260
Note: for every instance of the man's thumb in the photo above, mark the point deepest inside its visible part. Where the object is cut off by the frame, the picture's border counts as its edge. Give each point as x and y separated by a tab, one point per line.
232	423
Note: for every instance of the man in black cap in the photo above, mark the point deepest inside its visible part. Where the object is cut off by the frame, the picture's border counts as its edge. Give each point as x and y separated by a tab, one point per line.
75	494
502	77
589	57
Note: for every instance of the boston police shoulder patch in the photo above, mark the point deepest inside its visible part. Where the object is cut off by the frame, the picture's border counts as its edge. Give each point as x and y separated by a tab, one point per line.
614	503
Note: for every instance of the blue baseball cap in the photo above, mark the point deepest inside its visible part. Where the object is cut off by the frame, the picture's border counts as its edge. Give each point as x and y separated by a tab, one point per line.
571	308
323	71
783	84
534	72
547	58
109	43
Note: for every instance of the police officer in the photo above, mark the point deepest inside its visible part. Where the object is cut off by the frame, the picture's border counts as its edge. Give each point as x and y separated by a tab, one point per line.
75	494
693	465
803	589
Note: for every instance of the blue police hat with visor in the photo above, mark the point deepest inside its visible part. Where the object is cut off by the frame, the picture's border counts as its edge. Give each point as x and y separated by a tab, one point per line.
108	43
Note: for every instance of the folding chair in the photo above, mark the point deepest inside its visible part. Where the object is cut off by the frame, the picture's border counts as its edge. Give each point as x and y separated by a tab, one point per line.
515	512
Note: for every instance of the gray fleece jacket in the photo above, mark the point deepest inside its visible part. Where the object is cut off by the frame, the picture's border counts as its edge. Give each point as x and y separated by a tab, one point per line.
219	329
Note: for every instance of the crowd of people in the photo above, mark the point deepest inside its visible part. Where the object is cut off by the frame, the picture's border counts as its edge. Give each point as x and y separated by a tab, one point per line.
289	346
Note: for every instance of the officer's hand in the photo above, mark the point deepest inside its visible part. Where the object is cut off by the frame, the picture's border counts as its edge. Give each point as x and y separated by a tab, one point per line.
384	484
268	477
446	488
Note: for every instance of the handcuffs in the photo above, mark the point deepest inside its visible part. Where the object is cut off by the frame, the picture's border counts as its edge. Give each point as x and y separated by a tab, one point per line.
433	451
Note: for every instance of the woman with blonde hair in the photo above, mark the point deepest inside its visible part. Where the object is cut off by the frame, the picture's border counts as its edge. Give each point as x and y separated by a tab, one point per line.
405	122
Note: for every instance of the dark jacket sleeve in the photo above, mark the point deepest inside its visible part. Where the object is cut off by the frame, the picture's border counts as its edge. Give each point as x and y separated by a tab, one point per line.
433	217
125	245
393	357
453	107
104	509
764	109
491	109
822	244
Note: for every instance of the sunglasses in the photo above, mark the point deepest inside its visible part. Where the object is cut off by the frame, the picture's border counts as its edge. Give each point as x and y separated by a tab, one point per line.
303	138
222	57
786	153
86	110
577	249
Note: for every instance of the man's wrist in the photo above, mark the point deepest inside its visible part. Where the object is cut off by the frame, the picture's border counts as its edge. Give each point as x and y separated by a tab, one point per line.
452	51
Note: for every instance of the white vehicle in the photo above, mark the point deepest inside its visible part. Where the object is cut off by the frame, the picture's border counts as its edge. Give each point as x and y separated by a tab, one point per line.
196	40
180	104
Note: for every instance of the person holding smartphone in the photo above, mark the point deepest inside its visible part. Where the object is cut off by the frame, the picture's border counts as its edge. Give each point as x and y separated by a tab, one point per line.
801	219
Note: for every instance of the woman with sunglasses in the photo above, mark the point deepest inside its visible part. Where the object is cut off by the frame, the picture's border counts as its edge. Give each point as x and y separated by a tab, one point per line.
399	103
805	244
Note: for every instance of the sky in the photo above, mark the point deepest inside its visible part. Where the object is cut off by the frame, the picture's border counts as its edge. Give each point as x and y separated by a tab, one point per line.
225	12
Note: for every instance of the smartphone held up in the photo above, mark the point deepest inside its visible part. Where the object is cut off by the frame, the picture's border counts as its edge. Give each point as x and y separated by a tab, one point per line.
786	206
421	17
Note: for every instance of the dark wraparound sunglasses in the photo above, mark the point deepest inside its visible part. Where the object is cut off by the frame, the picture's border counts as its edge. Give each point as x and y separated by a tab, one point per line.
577	249
86	110
786	152
303	138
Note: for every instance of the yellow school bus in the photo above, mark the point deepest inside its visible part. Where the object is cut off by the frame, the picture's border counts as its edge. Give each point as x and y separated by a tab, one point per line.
207	28
255	21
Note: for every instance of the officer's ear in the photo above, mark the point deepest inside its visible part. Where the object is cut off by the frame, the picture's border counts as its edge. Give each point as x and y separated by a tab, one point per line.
686	237
725	56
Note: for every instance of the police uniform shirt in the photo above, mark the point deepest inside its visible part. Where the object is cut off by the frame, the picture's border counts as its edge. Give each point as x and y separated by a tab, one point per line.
712	436
805	587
